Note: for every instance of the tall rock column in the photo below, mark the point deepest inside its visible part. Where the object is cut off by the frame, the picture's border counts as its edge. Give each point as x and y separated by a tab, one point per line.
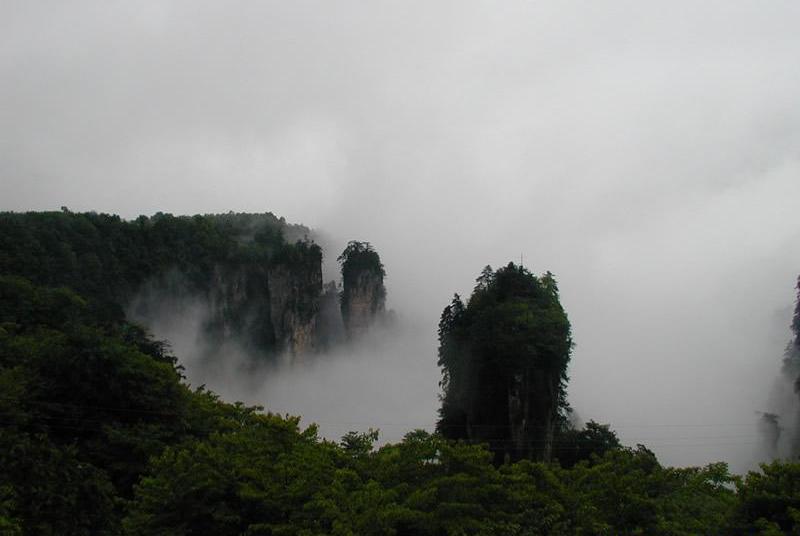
504	357
363	294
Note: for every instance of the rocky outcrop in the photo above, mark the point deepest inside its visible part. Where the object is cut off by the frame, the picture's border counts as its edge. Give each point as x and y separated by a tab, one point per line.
239	306
363	302
363	295
266	310
503	357
532	412
268	305
294	299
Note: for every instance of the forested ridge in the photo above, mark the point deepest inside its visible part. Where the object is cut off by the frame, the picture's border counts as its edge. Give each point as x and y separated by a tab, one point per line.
106	258
100	433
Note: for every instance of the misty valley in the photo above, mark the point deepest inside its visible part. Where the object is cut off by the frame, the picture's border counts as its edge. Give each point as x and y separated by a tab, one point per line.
236	374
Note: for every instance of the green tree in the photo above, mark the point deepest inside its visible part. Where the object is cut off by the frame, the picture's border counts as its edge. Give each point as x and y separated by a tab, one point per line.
572	445
769	499
84	405
258	478
627	492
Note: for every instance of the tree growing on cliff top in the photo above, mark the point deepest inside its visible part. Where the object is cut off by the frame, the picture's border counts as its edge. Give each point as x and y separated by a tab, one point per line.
504	359
358	257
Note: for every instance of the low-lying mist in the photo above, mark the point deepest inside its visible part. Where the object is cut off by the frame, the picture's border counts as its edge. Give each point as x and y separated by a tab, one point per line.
387	379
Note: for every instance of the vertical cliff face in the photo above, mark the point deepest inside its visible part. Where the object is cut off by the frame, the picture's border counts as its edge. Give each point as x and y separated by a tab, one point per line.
330	327
267	310
266	307
363	293
270	306
541	403
239	306
363	301
294	301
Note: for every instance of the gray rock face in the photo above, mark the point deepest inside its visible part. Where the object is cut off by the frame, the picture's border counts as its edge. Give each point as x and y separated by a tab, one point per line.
269	307
330	327
266	310
532	409
239	307
363	303
294	301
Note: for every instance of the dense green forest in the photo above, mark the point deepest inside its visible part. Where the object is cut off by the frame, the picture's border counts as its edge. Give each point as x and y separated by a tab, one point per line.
100	434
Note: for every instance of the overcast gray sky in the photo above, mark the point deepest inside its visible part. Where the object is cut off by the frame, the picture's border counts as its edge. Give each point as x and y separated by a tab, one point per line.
646	153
